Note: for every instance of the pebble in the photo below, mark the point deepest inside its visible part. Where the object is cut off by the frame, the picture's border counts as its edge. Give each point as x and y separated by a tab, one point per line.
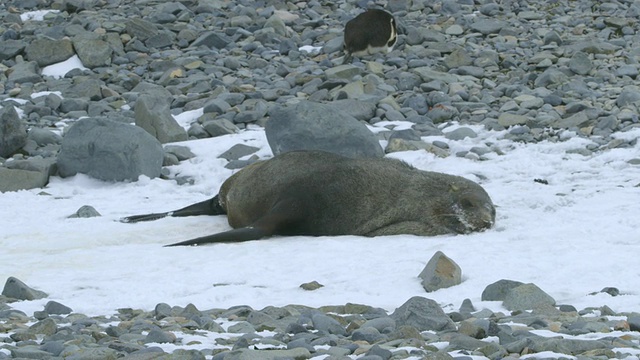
415	329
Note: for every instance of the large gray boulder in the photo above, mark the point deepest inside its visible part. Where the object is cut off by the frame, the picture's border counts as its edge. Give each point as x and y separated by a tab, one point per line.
314	126
13	133
109	150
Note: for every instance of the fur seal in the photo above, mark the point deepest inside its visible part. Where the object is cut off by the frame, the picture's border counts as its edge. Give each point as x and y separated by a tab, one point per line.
368	33
317	193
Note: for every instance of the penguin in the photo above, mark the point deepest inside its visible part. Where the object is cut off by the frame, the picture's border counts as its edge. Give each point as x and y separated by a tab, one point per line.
371	32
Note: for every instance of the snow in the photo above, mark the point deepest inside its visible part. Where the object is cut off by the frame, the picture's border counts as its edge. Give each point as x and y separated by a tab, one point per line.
572	237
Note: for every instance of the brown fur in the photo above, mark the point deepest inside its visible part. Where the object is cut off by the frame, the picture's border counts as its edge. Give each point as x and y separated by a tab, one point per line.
323	194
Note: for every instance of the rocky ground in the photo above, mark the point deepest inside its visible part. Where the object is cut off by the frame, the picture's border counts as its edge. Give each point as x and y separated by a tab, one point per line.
542	70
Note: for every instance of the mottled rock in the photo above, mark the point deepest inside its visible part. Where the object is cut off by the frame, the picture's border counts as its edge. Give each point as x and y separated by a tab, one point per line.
109	150
313	126
440	272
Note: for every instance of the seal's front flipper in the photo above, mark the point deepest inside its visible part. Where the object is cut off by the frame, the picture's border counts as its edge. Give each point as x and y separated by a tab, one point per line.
207	207
280	220
235	235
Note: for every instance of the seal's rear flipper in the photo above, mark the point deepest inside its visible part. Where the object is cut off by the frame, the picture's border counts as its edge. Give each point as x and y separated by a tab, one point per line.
207	207
235	235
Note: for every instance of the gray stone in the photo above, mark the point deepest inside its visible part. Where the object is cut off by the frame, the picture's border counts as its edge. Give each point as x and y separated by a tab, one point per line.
327	324
109	150
487	26
461	133
44	137
498	290
440	272
181	152
55	308
298	353
423	314
510	119
17	179
368	334
159	336
345	71
361	110
237	151
84	89
10	48
212	40
24	72
314	126
152	113
382	324
628	96
29	352
93	52
219	127
16	289
140	29
85	211
580	63
527	297
46	51
13	133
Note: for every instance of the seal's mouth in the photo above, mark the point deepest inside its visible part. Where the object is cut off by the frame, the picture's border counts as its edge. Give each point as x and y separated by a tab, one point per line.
467	218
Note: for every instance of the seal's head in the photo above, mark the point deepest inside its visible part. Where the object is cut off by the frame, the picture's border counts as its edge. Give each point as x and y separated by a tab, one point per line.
471	209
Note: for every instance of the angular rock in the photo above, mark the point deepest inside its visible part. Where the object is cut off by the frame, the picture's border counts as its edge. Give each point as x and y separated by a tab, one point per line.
55	308
109	150
152	113
440	272
314	126
92	51
46	51
10	48
16	289
237	151
499	289
13	133
527	297
327	324
423	314
24	72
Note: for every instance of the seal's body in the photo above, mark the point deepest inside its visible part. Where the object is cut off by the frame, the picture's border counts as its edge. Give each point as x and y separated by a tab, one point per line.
370	32
322	194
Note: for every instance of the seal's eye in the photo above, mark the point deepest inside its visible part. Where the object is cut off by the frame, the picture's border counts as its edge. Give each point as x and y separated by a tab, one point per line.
466	203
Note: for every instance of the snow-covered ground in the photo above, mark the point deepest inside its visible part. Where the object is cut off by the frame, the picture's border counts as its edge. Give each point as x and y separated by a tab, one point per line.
572	237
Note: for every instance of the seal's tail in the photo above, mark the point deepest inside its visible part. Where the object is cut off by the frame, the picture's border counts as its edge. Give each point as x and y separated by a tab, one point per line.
207	207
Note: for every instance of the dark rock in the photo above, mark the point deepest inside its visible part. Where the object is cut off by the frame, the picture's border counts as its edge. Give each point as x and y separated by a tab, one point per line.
93	52
109	150
55	308
16	289
85	211
527	297
440	272
498	290
423	314
152	113
307	126
13	133
46	51
237	151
